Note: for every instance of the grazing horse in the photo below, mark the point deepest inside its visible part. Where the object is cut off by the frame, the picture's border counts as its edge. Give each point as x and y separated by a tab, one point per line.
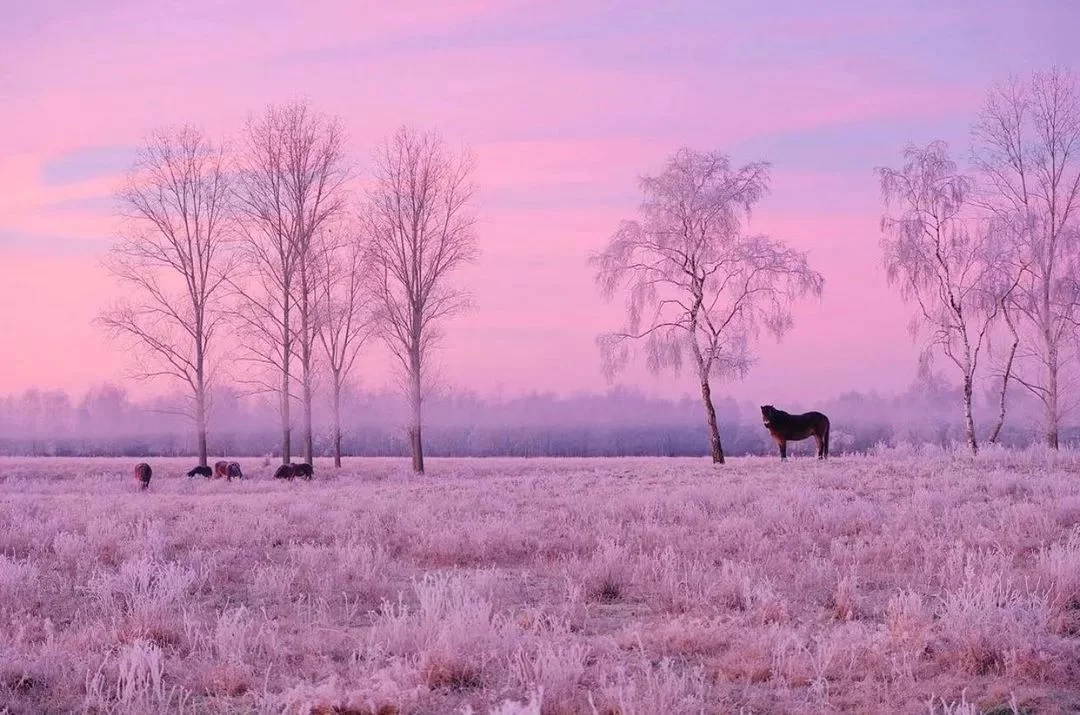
200	471
285	471
221	470
786	427
233	471
304	470
143	474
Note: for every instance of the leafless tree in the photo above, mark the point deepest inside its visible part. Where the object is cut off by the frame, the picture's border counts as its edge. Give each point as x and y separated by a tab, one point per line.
695	281
943	260
1027	149
344	290
421	230
291	182
177	204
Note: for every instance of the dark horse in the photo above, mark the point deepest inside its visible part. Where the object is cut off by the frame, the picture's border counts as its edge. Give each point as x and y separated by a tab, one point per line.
200	471
234	472
786	427
143	474
291	471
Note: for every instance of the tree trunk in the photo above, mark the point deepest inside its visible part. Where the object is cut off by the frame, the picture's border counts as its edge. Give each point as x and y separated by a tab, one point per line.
969	420
415	432
306	339
710	420
200	419
1005	382
1052	402
309	444
1051	399
337	420
286	417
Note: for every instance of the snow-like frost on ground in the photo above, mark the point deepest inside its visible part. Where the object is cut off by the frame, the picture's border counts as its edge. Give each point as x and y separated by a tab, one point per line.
908	581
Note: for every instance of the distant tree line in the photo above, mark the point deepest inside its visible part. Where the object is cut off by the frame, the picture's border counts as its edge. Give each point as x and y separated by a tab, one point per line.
621	422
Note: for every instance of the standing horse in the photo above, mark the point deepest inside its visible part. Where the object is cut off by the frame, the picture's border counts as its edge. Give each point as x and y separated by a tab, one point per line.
786	427
200	471
233	470
143	474
221	470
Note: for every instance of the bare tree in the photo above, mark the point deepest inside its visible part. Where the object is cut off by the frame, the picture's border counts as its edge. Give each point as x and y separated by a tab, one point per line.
694	280
942	260
1027	149
291	182
421	231
177	203
343	281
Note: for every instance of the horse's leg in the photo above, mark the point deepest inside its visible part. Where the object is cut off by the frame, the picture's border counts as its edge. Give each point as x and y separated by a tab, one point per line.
826	440
820	445
783	449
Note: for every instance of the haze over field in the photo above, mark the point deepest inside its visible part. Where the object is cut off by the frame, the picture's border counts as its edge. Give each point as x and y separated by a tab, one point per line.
563	106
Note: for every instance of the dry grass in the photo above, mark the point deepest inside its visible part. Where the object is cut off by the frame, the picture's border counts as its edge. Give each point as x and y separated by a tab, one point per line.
904	582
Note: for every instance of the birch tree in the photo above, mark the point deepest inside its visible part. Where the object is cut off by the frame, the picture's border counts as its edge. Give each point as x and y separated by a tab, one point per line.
421	231
343	281
173	260
942	261
291	182
1027	151
695	281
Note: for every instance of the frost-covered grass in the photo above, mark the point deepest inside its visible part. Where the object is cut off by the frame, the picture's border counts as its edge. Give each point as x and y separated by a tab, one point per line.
907	581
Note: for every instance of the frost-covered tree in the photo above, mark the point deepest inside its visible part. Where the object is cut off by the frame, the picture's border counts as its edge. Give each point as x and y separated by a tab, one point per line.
173	260
343	297
942	260
696	282
1027	151
421	231
290	183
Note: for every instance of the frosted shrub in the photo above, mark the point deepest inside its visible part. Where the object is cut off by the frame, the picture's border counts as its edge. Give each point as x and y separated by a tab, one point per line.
533	706
1059	566
556	671
70	548
992	627
18	578
662	687
682	583
231	636
272	583
144	586
908	624
606	574
453	630
132	682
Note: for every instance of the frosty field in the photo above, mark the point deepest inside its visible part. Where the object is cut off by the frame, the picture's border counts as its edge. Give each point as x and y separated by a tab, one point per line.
902	582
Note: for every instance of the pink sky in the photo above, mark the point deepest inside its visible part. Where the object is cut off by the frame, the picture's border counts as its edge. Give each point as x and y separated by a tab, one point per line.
563	108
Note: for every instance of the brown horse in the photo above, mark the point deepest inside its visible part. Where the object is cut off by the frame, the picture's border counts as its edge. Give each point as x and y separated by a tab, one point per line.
143	474
786	427
221	470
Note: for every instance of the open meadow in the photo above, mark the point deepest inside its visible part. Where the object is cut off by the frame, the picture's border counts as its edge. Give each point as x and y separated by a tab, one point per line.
902	582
